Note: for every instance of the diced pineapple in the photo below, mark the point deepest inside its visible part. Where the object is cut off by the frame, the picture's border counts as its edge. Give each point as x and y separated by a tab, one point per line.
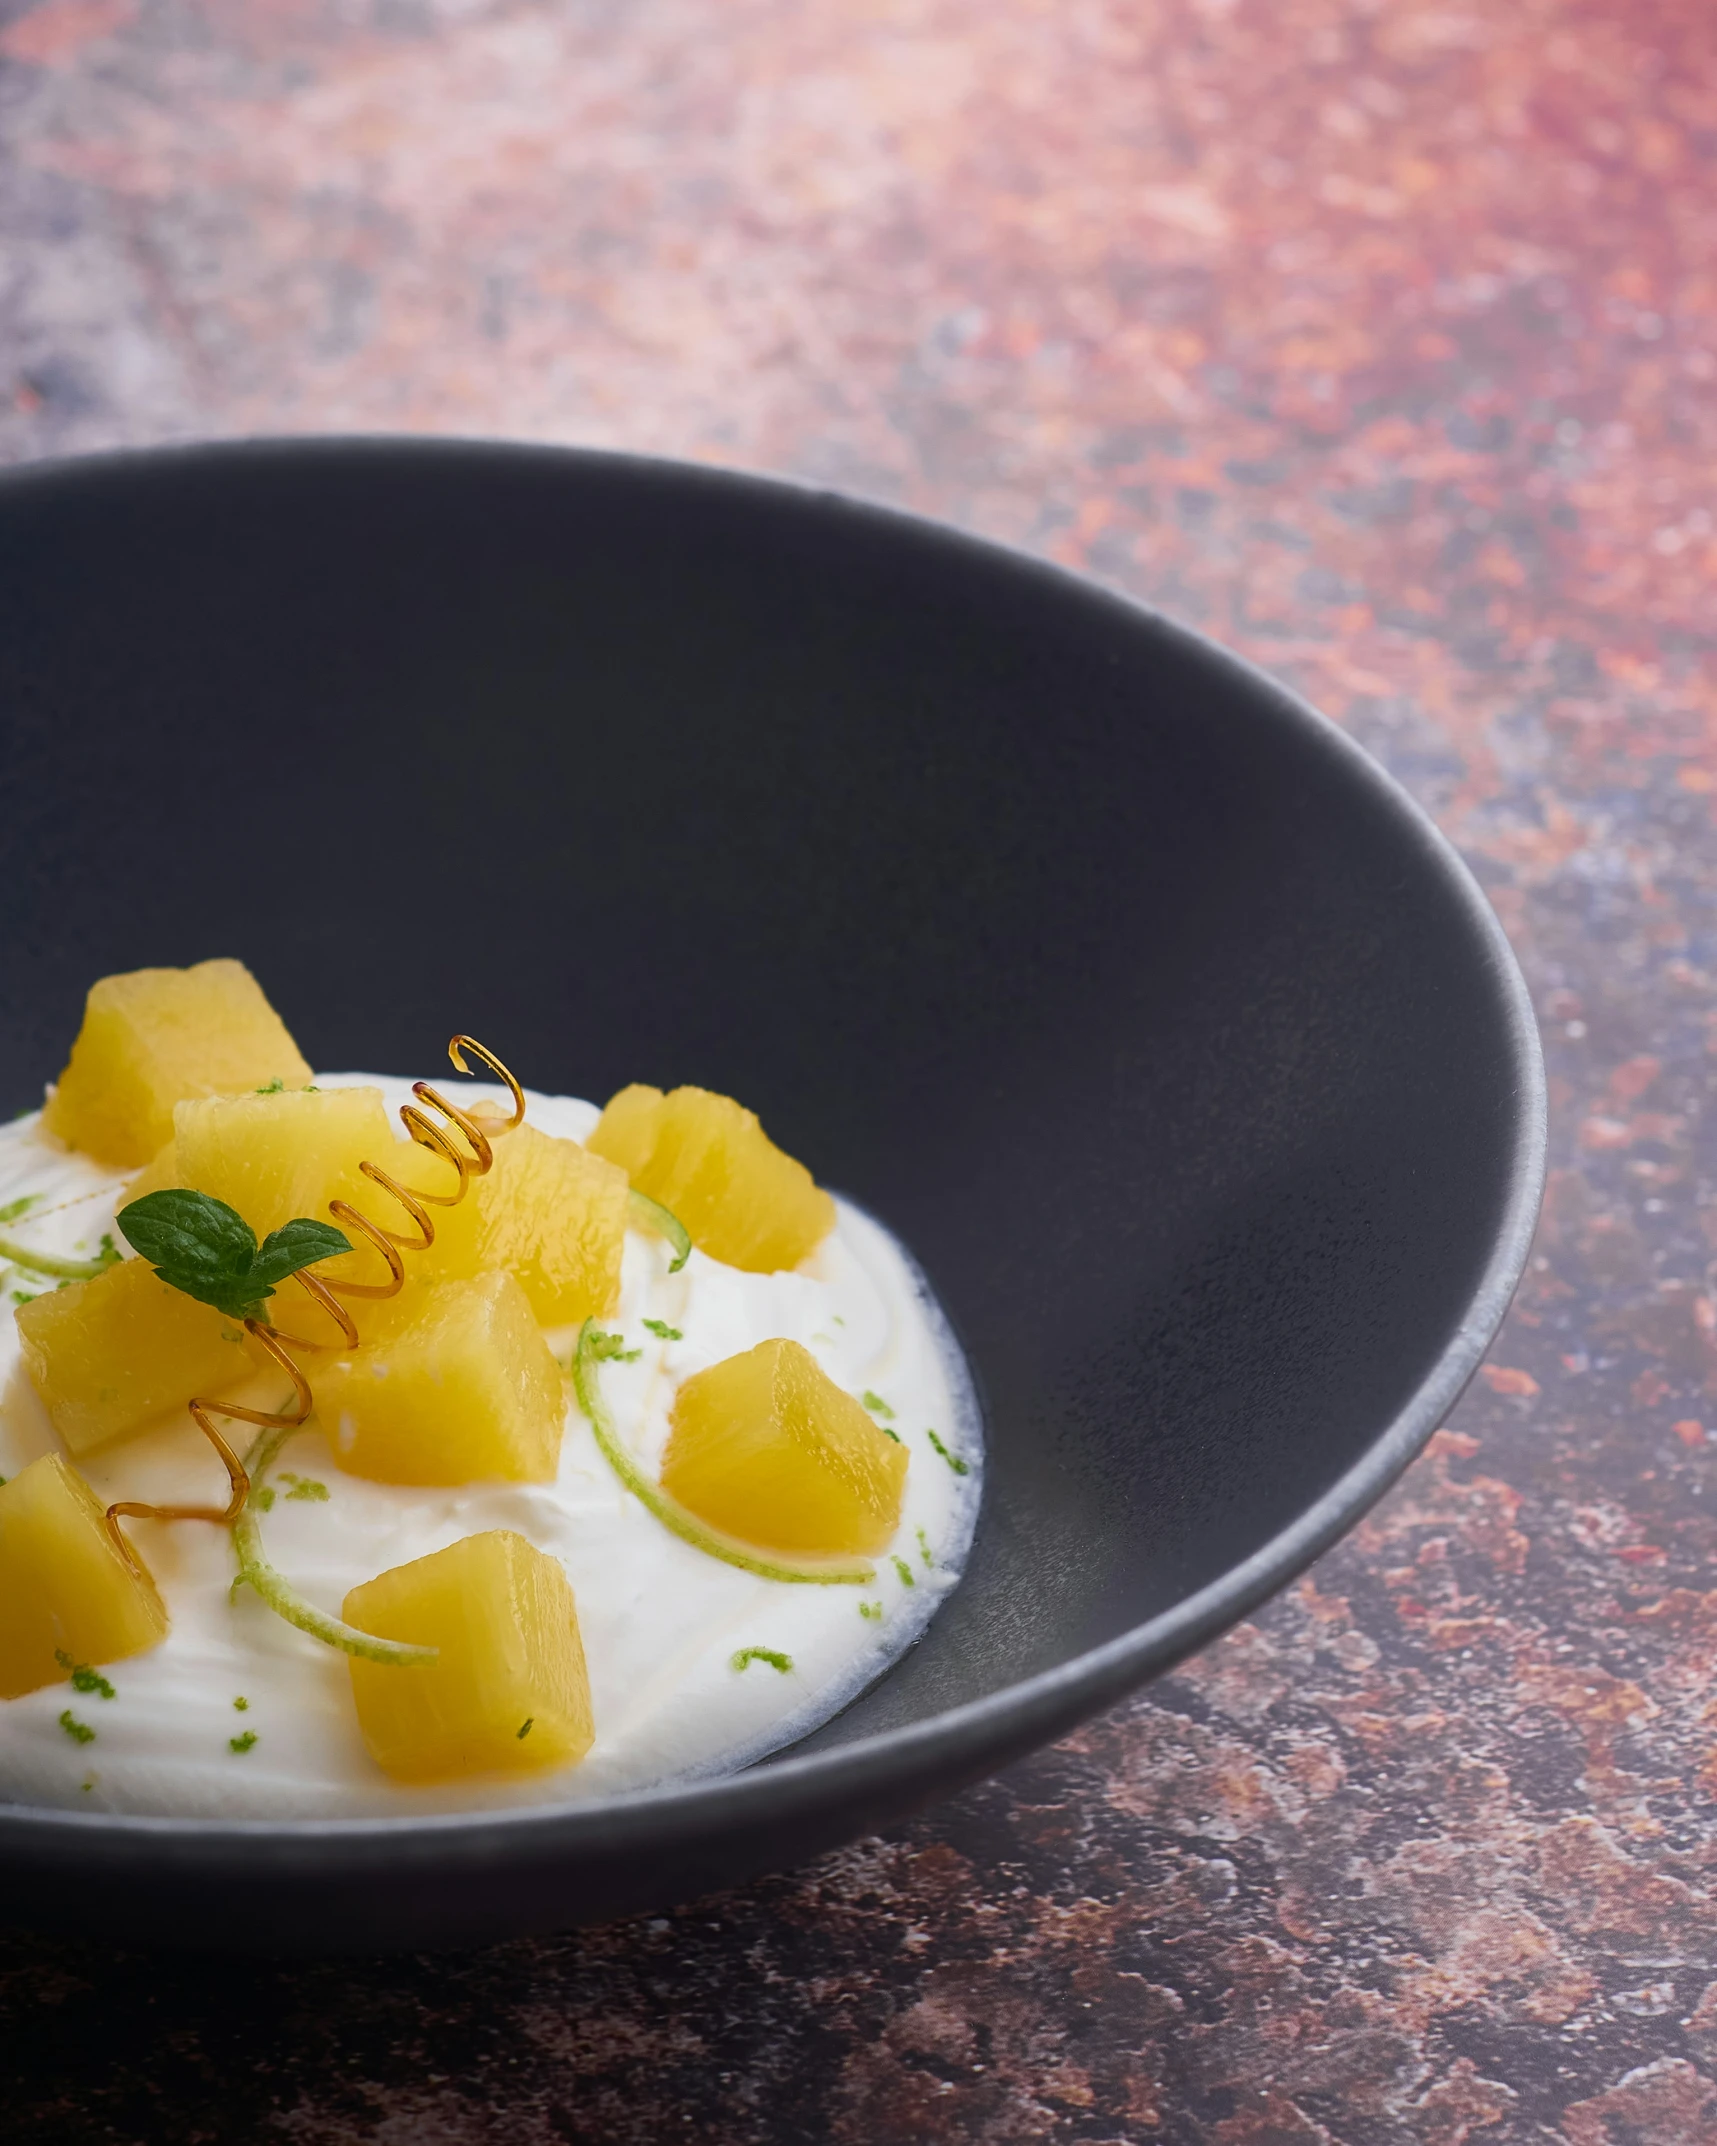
549	1212
109	1355
273	1157
711	1162
155	1037
509	1694
67	1594
767	1447
161	1175
627	1129
463	1390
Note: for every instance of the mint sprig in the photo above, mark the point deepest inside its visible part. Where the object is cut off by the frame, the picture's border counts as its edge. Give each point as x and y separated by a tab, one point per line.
207	1249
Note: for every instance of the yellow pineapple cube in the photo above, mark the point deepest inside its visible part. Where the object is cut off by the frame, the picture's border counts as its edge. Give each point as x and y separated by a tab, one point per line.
550	1213
155	1037
109	1355
67	1593
767	1447
462	1390
274	1157
711	1162
161	1175
509	1694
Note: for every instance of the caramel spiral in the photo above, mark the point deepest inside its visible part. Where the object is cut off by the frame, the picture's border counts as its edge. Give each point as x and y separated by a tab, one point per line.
475	1159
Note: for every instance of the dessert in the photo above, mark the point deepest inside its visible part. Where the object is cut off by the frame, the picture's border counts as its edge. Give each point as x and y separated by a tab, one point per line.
538	1485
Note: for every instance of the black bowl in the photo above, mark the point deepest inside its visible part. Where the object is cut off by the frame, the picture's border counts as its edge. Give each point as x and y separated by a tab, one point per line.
1169	1034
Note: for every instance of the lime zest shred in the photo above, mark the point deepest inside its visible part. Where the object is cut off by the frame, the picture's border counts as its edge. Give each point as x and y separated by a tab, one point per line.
953	1459
823	1572
50	1263
80	1732
905	1571
662	1222
83	1678
255	1572
244	1743
777	1661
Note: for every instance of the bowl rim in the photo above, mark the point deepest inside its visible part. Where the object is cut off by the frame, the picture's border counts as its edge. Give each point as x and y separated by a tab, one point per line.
961	1742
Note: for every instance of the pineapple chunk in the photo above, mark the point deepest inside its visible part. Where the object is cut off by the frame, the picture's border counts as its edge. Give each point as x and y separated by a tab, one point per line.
711	1162
65	1588
509	1694
154	1037
109	1355
273	1157
161	1175
463	1389
767	1447
549	1212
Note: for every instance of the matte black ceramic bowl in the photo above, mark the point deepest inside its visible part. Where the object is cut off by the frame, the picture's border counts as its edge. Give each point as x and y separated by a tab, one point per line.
1167	1032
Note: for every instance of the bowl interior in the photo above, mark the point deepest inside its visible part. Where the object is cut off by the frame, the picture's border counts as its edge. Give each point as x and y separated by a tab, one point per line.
1129	997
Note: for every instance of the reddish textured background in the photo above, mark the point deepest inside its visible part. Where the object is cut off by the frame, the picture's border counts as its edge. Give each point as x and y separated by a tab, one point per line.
1381	339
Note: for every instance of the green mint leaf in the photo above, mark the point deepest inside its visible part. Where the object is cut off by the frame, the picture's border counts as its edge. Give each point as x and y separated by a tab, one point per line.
188	1229
297	1244
206	1249
198	1245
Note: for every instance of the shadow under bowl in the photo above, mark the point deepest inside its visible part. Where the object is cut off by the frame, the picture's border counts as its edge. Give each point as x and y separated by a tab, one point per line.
1170	1036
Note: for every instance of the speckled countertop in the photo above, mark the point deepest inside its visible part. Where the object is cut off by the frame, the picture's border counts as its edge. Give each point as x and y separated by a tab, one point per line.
1379	337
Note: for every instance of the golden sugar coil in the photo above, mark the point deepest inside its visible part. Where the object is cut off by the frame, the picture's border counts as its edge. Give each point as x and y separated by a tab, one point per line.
478	1162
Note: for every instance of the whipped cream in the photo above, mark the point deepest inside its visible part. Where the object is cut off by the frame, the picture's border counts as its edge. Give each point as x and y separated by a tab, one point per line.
661	1621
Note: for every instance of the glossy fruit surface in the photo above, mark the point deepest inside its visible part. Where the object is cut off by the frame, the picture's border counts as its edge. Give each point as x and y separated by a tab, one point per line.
464	1390
155	1037
709	1161
67	1595
112	1354
273	1157
509	1693
766	1446
550	1212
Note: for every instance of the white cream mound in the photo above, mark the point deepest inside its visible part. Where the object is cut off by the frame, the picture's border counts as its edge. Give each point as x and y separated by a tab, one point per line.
661	1622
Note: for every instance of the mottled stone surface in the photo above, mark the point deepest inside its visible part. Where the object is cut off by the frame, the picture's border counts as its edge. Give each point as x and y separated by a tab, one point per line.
1379	336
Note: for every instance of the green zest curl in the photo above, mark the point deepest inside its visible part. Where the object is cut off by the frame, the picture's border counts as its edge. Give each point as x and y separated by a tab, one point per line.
781	1662
816	1572
64	1270
256	1573
652	1215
